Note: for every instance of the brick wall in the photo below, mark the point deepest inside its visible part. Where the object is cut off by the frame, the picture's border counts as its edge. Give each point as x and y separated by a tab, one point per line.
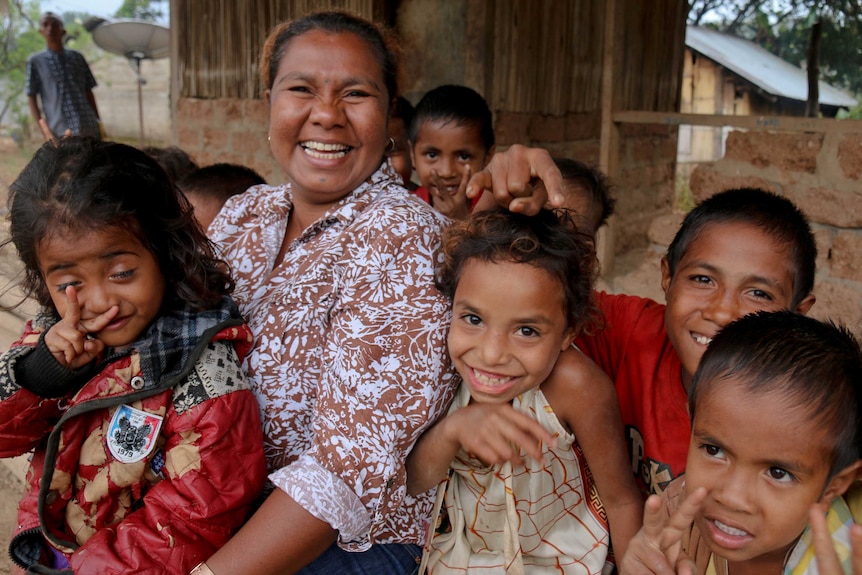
227	130
820	173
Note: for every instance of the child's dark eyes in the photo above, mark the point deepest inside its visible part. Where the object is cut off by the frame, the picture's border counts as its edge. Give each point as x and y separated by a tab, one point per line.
699	279
779	474
431	155
62	287
526	331
465	157
472	319
760	294
357	94
712	450
125	274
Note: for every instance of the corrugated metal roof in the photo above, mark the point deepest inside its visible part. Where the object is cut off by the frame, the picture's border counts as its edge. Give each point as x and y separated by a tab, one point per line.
760	67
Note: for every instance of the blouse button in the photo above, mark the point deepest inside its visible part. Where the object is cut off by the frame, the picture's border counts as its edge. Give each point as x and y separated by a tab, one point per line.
137	382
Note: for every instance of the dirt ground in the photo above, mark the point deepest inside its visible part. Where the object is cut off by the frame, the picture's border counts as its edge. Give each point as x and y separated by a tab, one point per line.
636	272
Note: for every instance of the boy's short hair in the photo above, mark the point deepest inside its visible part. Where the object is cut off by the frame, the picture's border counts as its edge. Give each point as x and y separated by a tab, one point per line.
452	103
548	241
52	16
173	160
772	214
220	181
816	365
592	180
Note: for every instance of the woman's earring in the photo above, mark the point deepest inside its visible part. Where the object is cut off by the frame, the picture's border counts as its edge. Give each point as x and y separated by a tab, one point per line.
390	147
268	138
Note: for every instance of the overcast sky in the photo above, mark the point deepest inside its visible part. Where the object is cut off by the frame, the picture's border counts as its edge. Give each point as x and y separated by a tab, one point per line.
103	8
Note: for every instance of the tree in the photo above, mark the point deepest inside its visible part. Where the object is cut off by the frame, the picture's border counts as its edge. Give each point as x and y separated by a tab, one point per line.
19	37
784	28
141	9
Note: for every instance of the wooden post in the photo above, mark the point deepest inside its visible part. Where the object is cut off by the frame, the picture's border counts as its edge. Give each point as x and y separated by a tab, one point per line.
609	135
812	107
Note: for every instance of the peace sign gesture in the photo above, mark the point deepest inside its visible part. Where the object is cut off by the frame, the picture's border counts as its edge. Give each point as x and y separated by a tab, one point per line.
71	340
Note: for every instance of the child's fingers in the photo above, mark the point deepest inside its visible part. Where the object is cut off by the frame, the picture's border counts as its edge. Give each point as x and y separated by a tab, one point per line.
827	559
465	179
72	315
98	323
479	182
681	519
856	542
685	565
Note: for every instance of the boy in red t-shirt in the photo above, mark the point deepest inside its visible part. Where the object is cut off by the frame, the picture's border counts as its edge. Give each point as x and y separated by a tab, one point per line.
738	252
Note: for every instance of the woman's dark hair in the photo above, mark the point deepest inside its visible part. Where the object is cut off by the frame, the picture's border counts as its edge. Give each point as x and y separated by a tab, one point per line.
380	41
815	365
548	241
81	184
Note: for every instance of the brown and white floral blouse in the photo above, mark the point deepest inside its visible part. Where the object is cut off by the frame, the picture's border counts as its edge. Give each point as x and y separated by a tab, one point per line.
349	362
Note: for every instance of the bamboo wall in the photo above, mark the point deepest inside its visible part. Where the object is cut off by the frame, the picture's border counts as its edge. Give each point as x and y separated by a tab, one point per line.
219	46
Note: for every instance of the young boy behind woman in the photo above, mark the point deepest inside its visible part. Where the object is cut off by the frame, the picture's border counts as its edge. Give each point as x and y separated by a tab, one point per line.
776	429
147	441
451	138
526	453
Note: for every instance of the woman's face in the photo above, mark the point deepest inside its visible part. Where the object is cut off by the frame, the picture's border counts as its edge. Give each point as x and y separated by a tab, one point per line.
328	112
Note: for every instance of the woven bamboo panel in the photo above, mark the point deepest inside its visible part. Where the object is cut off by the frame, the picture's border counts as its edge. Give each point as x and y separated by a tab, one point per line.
220	40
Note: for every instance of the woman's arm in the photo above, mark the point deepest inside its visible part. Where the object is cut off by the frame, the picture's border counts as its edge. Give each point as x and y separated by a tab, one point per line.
281	537
590	410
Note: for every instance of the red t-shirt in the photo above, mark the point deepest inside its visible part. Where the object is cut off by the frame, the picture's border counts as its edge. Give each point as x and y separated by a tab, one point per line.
634	350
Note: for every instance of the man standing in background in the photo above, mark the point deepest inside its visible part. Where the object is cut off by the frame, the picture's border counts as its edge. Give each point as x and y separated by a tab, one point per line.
64	83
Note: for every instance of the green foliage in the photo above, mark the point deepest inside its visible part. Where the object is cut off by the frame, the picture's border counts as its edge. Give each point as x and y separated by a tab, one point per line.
141	9
19	37
784	27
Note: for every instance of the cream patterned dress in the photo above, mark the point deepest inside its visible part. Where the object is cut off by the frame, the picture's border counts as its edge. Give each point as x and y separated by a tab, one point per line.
541	517
349	362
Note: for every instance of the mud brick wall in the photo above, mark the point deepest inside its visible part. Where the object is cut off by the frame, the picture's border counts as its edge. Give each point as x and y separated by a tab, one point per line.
227	130
822	174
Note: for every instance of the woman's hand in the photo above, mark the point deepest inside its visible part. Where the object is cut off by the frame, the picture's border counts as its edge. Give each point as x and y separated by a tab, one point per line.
657	547
827	559
520	179
69	340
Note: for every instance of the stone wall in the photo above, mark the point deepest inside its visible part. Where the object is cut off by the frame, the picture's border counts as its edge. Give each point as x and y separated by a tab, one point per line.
227	130
822	174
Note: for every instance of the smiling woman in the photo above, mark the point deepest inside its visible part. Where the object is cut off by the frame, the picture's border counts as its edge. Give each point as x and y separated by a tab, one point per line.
335	274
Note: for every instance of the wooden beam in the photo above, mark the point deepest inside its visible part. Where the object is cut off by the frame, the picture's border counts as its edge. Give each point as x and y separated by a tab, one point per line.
762	123
609	137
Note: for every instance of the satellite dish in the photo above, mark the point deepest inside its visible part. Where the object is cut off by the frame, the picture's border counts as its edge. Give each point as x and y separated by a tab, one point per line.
136	40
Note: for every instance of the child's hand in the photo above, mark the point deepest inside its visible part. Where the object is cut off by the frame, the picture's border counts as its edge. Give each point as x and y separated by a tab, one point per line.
68	339
656	549
455	205
495	432
827	559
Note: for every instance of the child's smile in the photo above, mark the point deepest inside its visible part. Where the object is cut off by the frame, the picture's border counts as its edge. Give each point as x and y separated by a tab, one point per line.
508	328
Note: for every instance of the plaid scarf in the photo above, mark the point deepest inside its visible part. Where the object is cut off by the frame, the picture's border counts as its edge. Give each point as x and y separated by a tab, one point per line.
166	347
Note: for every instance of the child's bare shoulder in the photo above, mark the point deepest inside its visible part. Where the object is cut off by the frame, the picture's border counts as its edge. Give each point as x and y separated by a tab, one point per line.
577	380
